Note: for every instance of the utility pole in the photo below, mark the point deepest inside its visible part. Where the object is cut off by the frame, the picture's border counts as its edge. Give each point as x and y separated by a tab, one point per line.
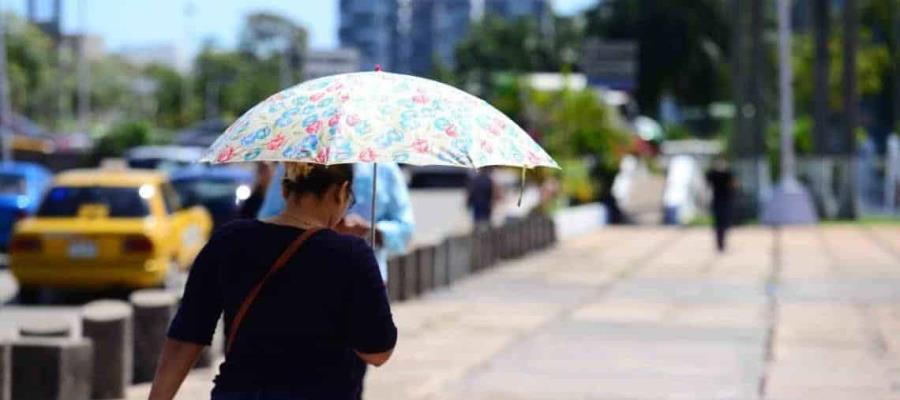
790	203
186	86
284	66
84	83
822	31
896	18
848	208
5	107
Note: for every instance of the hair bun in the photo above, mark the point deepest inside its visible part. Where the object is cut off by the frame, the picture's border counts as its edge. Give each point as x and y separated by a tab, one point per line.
297	170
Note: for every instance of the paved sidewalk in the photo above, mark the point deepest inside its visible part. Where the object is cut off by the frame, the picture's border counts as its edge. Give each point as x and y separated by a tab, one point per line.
652	313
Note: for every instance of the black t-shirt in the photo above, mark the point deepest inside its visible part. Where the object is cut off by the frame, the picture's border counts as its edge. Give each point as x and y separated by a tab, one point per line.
300	333
481	196
722	183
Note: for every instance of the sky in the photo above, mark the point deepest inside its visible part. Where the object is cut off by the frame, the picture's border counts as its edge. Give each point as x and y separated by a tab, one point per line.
142	23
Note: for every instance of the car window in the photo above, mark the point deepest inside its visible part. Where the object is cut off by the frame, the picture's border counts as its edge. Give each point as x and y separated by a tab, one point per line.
121	202
171	198
209	192
12	184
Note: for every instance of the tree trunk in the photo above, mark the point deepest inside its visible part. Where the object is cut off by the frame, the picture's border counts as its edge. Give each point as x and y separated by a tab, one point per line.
848	207
822	27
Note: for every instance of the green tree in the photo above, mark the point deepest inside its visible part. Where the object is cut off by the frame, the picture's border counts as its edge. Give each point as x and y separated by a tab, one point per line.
495	44
231	82
121	137
683	44
267	36
171	110
32	76
575	126
873	67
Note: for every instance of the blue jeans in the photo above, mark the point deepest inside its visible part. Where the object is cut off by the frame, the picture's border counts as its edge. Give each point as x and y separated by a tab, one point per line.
255	395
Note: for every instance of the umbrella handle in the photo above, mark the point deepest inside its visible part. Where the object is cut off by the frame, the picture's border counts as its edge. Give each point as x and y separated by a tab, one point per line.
521	188
372	215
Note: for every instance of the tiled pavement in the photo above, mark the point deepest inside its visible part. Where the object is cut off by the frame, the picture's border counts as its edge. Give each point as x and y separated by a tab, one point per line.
645	313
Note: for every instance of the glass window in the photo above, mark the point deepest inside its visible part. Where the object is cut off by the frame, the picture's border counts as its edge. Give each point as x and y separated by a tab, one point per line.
12	184
121	202
171	198
207	191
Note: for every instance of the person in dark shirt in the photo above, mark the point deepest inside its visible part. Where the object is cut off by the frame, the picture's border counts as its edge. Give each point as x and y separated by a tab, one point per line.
251	206
311	327
720	178
482	195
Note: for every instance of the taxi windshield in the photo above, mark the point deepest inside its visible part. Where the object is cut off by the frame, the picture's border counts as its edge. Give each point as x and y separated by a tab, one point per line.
122	202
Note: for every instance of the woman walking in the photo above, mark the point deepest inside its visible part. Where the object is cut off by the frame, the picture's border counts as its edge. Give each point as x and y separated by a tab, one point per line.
305	307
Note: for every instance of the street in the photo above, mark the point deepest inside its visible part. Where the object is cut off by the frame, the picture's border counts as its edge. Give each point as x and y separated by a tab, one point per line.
652	313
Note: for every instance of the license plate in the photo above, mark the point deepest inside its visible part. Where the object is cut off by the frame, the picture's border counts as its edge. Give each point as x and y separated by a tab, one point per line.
82	250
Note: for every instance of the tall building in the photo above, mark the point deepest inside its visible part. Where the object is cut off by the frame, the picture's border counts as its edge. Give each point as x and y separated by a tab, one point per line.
539	10
512	9
436	27
167	54
319	63
370	27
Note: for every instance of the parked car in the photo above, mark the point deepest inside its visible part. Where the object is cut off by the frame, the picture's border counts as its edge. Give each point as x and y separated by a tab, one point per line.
99	228
221	190
163	158
21	187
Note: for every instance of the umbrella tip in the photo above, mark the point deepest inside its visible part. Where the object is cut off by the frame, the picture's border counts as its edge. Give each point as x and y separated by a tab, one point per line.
377	67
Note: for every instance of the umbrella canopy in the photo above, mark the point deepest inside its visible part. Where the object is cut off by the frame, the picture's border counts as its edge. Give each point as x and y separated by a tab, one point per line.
373	117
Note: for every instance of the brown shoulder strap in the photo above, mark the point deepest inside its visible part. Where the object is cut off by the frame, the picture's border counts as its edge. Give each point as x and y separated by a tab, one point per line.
248	301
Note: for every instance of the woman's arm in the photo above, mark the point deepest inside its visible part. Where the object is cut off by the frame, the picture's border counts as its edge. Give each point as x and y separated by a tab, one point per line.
174	364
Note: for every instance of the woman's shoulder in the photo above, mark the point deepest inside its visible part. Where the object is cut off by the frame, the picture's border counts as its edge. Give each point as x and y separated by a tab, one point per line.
340	242
236	227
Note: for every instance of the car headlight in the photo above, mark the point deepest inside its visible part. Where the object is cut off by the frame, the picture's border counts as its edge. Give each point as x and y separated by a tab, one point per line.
242	192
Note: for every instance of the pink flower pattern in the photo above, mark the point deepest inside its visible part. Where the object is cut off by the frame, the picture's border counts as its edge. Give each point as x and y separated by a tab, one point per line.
429	123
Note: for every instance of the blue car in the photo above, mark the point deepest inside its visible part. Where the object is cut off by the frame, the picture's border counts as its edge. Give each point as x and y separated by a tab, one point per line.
22	186
221	190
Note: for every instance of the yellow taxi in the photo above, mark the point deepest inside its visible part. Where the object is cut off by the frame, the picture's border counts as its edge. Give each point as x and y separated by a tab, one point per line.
101	228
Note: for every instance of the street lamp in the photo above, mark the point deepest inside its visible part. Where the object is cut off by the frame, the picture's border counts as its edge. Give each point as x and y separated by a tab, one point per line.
790	203
5	107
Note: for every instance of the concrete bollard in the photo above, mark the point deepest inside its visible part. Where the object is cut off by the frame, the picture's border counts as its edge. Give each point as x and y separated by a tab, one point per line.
502	235
109	325
441	257
512	239
45	328
395	279
425	263
551	226
541	229
410	275
52	369
5	371
531	234
153	311
460	257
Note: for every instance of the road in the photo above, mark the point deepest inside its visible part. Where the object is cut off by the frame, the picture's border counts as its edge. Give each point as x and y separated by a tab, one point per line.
438	213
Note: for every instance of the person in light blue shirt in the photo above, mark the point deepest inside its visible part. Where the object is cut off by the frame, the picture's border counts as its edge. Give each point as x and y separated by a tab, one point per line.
393	212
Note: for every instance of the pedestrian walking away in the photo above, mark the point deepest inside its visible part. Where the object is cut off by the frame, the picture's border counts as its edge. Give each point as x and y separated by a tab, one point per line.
483	195
721	180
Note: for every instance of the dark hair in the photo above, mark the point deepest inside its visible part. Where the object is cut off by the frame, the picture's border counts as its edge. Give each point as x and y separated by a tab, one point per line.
315	179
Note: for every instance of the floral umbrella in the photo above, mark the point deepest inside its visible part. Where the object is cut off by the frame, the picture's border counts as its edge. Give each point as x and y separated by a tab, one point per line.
377	117
373	117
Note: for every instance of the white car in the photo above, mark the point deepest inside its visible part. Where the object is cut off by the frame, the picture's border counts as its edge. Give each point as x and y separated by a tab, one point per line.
164	158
